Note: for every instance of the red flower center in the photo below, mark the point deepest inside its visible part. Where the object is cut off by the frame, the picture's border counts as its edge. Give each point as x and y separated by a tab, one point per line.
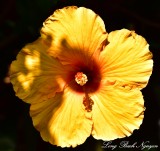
85	78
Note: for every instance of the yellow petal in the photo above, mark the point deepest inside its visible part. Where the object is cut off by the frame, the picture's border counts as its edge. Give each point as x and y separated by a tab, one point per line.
126	59
62	120
74	32
116	112
35	75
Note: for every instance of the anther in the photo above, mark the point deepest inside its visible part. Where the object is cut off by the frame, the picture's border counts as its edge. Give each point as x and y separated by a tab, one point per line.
81	78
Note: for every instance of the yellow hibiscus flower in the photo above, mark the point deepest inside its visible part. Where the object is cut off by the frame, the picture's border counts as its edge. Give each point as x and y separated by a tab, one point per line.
81	80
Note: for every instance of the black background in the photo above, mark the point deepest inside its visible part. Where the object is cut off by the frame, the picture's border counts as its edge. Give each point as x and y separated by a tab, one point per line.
20	23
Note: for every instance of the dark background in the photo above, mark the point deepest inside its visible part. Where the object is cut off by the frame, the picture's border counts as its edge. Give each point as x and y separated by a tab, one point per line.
20	23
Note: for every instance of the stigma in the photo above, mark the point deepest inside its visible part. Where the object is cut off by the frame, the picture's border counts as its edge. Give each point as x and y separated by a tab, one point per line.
81	78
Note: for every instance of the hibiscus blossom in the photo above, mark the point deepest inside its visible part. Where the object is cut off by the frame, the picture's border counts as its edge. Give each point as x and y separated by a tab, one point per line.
81	80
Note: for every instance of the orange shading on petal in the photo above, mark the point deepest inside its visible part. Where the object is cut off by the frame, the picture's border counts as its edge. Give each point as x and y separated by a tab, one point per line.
35	75
117	112
62	120
75	34
126	59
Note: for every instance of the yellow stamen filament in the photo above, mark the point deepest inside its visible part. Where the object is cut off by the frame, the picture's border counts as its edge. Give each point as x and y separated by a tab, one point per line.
81	78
